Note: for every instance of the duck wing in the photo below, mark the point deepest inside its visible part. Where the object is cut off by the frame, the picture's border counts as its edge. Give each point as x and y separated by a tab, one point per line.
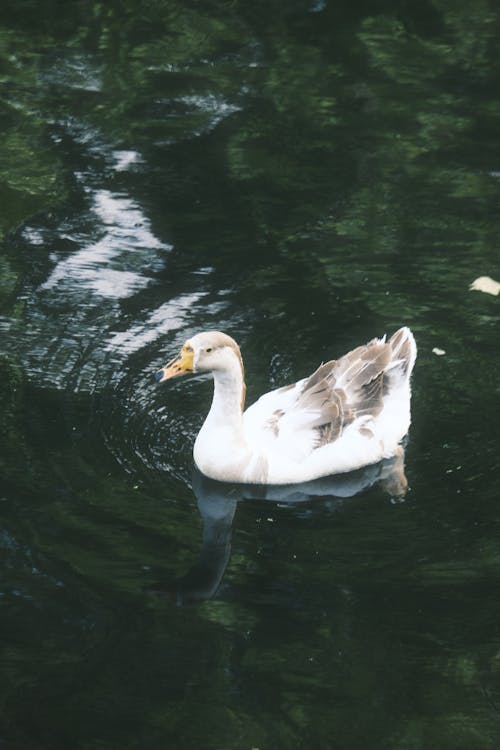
337	393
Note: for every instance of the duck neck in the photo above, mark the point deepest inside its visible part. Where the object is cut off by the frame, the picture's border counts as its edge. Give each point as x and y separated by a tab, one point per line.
227	404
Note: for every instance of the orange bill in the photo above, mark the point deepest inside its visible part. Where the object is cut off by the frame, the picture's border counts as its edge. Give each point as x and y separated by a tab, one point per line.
181	365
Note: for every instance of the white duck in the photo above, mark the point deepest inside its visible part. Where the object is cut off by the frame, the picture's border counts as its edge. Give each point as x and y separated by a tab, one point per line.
349	413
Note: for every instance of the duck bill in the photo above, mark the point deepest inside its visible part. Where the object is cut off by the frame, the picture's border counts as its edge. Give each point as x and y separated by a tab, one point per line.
178	366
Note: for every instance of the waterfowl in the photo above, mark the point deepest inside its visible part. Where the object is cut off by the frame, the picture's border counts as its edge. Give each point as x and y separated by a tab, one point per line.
351	412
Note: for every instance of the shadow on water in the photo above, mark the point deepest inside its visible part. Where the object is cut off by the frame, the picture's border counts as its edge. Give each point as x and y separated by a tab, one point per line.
218	501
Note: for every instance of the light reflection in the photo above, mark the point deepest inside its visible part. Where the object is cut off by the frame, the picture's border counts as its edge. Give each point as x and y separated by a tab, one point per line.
74	71
167	318
124	159
212	105
127	231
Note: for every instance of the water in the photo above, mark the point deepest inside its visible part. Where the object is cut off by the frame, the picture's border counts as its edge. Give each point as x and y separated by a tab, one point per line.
304	176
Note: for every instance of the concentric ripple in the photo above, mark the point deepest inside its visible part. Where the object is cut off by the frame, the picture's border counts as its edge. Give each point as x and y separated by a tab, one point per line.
92	333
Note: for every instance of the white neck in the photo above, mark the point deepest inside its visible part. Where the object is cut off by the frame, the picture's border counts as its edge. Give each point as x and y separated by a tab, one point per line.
226	409
221	448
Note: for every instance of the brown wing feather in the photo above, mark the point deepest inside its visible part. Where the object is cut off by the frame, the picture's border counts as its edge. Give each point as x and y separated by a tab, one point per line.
352	386
402	349
366	374
341	390
319	395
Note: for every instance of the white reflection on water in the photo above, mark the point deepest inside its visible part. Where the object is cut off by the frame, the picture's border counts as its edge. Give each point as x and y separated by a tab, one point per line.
72	70
70	317
215	107
124	159
33	236
104	267
168	317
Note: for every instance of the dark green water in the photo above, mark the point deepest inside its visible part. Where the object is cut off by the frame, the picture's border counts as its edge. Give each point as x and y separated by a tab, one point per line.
304	176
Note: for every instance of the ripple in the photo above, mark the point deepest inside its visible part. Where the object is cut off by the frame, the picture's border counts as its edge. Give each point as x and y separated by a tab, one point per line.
144	430
73	71
97	307
167	318
215	108
103	267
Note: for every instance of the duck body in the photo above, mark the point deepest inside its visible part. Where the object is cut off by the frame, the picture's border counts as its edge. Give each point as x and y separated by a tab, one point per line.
349	413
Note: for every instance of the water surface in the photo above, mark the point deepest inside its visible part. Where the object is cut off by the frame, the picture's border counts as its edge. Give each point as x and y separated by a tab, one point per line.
303	176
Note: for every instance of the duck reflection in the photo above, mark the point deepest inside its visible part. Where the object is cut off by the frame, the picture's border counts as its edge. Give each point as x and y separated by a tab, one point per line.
217	502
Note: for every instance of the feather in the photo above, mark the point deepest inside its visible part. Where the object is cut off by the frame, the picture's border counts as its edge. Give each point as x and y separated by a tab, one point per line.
349	412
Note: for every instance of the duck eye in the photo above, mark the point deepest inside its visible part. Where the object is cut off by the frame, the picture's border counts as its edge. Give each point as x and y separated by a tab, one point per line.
208	350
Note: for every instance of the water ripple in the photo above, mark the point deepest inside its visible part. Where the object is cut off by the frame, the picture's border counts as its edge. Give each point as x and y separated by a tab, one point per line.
103	268
167	318
99	302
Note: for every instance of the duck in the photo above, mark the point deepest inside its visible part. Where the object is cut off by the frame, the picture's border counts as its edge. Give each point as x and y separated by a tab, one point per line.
349	413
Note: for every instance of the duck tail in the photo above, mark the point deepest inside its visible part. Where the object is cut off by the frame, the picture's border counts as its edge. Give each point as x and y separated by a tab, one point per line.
404	353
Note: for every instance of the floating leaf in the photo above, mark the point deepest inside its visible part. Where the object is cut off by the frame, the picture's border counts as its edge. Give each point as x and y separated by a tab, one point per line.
486	284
